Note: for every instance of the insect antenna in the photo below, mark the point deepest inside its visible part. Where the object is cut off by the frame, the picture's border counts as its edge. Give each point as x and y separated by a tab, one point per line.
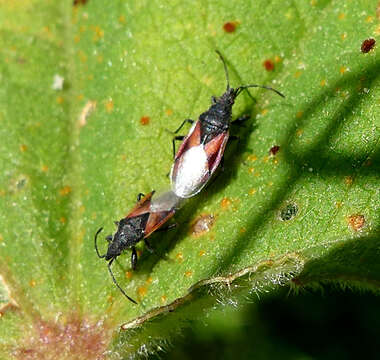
243	87
225	68
96	245
115	282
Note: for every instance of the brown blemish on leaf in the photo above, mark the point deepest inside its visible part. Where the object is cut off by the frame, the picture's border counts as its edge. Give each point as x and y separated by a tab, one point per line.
356	221
23	148
341	16
76	339
297	74
32	283
149	280
202	224
367	45
128	274
60	100
86	112
369	19
79	2
122	19
144	120
202	253
343	69
229	27
343	36
65	190
44	168
169	112
264	112
163	299
299	114
274	150
268	65
188	273
62	220
252	192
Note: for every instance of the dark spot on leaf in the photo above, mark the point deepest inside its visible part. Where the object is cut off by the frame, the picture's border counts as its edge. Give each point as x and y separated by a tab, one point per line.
144	120
356	221
368	45
229	27
269	65
274	150
289	212
202	224
79	2
21	183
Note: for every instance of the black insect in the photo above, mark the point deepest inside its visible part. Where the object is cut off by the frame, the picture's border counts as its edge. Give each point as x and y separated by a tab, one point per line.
202	149
146	217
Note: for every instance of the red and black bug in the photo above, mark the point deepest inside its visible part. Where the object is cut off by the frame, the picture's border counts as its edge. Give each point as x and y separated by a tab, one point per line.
146	217
202	149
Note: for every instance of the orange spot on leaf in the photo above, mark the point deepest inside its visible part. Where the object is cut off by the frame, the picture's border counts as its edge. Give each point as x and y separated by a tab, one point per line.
144	120
229	27
225	203
65	190
109	106
179	257
142	291
268	65
348	180
356	221
23	148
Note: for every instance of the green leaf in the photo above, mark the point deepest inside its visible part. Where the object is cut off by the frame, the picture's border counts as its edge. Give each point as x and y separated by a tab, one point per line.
88	93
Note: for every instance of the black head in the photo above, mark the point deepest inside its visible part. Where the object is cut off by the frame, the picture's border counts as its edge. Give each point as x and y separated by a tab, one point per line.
114	250
129	232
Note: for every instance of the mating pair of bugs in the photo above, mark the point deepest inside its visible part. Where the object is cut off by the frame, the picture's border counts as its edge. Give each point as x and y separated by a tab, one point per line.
195	162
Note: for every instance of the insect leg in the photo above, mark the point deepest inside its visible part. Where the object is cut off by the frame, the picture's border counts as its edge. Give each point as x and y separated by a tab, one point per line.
96	245
140	196
171	226
115	282
241	120
176	138
134	258
148	246
183	123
